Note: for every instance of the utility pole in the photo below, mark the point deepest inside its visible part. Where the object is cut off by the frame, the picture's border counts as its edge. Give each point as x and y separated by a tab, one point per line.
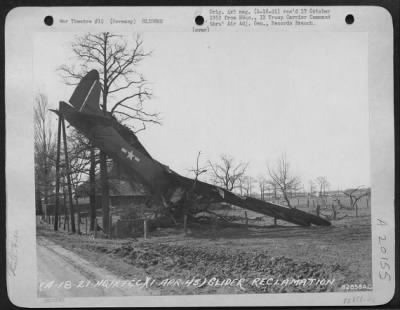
68	171
57	206
61	131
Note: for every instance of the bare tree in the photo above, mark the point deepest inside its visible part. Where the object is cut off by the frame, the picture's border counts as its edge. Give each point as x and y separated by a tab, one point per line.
355	194
84	160
248	184
323	185
273	189
124	89
116	59
240	185
189	198
83	165
198	170
312	187
44	145
283	180
227	172
262	185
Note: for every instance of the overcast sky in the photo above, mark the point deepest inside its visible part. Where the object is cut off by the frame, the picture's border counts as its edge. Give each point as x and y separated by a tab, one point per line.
253	96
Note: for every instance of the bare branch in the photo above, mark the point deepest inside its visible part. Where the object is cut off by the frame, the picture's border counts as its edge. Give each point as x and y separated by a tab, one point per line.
116	61
282	179
227	173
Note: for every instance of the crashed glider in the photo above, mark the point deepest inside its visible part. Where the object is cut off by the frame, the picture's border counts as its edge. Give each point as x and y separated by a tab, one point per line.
166	186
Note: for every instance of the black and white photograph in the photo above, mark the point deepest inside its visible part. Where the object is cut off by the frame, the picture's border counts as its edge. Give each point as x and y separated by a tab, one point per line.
202	161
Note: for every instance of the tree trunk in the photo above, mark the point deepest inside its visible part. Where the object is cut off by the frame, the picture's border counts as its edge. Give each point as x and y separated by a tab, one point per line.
92	189
287	200
105	199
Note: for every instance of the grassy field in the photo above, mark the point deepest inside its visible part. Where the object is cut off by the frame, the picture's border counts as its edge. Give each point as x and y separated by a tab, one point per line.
309	204
341	252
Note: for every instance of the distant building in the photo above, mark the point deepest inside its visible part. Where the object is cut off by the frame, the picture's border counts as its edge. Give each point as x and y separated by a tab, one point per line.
125	192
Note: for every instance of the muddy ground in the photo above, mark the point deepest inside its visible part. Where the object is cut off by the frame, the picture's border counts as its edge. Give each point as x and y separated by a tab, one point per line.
278	254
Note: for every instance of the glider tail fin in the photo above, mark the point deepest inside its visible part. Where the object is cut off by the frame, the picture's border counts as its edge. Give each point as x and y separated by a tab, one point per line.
86	97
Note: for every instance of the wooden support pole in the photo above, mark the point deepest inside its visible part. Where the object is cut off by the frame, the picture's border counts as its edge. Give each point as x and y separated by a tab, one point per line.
57	206
68	171
92	187
79	215
247	219
105	198
86	225
145	229
45	213
65	209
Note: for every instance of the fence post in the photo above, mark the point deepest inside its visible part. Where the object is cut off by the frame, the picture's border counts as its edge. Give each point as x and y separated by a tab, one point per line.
110	226
185	224
95	227
145	229
79	217
247	219
334	212
86	224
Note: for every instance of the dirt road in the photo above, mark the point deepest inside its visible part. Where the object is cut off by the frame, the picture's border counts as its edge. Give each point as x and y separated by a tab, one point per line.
62	273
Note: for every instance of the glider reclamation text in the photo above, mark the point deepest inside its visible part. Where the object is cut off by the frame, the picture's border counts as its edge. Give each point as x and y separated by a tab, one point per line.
166	186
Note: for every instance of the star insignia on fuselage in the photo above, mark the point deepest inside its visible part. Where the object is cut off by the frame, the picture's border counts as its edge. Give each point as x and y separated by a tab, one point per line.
130	155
